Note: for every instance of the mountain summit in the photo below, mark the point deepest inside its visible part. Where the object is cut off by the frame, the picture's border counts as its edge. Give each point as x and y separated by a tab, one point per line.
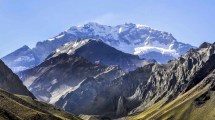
21	59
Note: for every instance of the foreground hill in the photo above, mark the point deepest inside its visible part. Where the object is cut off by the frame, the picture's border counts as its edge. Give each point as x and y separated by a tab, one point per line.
15	107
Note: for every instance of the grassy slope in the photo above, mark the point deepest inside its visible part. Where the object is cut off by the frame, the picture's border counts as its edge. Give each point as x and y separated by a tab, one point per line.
50	108
22	107
182	108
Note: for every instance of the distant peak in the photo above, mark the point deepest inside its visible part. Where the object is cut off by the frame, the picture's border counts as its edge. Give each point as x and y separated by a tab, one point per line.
103	27
25	47
86	40
131	24
127	24
92	23
205	45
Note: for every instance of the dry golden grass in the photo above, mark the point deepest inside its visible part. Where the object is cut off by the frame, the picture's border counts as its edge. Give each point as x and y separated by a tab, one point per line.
182	108
22	107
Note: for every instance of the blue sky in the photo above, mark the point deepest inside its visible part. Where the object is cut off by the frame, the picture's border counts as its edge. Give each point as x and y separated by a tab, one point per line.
24	22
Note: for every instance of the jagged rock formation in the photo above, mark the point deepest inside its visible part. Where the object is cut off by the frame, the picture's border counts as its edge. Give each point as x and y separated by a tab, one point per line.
148	85
194	104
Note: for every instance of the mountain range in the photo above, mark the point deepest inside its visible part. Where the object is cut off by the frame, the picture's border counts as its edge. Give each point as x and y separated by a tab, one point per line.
112	93
99	72
129	38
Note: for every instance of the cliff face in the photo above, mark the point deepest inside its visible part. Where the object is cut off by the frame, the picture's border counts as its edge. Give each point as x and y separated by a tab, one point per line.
195	103
179	76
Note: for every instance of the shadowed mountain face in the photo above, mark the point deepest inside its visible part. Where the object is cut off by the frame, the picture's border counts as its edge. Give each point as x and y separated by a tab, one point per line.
100	98
100	53
129	38
64	73
65	69
144	87
11	82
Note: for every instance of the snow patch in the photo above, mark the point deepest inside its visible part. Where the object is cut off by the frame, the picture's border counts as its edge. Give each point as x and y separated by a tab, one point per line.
60	36
54	81
120	30
64	105
141	26
51	39
24	58
57	93
45	98
19	68
57	37
147	49
30	80
71	47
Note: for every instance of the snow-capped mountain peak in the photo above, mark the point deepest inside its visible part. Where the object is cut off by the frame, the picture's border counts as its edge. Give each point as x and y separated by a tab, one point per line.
136	39
143	34
130	38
